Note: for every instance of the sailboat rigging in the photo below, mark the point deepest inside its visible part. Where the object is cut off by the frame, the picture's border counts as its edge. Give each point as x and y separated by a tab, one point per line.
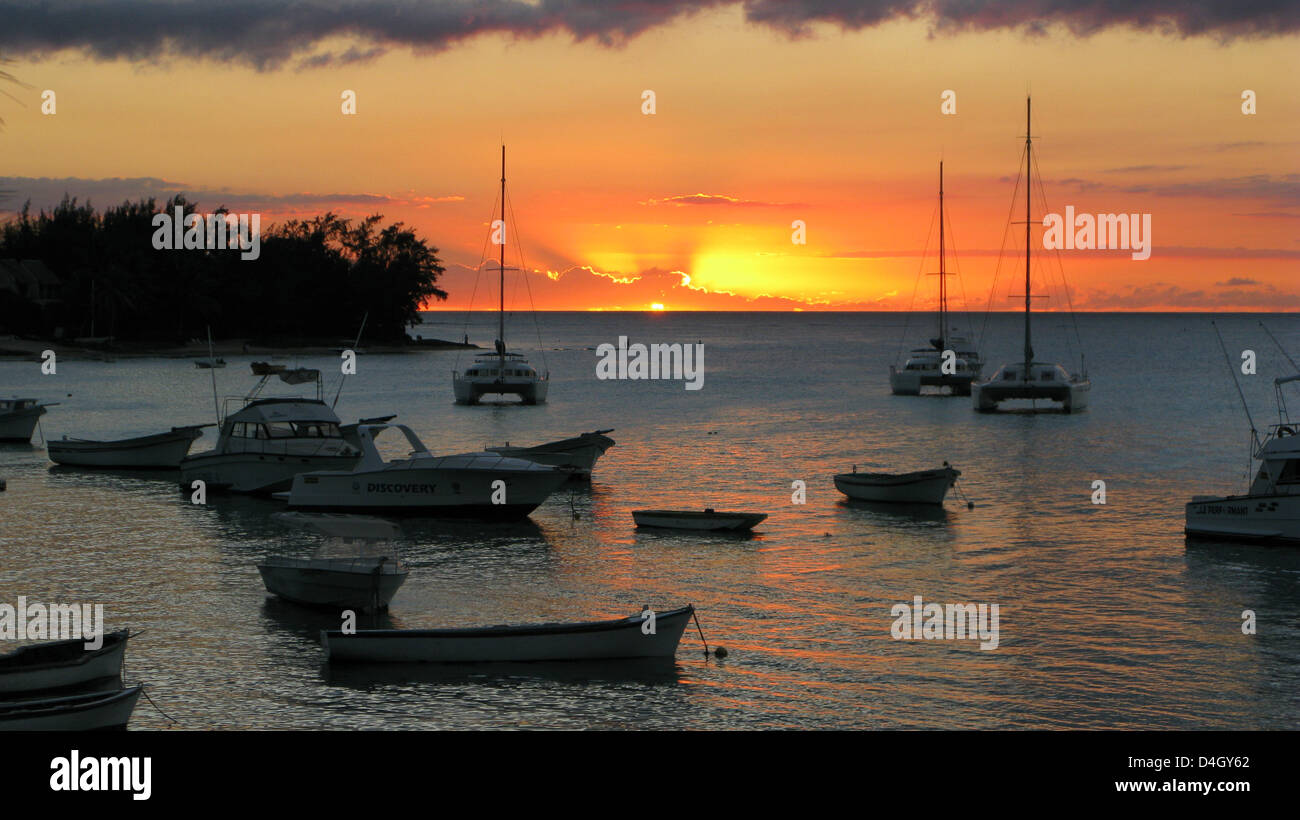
501	372
1030	379
950	361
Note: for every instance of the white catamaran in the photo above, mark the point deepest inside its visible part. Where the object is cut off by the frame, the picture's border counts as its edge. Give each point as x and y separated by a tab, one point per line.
1030	379
501	372
950	361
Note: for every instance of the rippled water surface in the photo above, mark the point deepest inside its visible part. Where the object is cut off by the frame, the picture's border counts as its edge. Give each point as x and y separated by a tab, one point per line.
1109	618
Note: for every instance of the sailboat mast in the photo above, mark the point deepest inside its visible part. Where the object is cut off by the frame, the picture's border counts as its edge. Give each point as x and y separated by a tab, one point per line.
501	268
943	276
1029	169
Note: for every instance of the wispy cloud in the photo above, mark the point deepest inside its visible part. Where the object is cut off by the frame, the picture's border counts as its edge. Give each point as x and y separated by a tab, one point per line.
719	199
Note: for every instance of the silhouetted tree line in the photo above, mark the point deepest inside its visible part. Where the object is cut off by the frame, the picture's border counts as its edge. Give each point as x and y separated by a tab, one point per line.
314	278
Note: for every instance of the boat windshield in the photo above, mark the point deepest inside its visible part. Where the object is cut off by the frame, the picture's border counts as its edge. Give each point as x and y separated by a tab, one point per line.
285	429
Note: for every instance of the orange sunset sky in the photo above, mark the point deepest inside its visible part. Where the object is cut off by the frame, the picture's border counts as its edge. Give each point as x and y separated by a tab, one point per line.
766	113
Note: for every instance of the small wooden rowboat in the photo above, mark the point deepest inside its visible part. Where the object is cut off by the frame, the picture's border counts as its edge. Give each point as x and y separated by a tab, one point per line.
356	568
621	638
57	665
73	713
709	519
162	451
923	487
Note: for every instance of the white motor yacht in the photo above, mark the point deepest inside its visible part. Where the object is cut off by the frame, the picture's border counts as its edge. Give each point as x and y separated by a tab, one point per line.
1269	511
263	446
470	485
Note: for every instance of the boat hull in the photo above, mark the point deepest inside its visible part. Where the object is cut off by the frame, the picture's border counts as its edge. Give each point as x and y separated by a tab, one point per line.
18	426
326	584
1262	519
471	391
427	491
1072	396
161	451
73	713
256	473
910	382
924	487
695	520
602	640
577	455
60	665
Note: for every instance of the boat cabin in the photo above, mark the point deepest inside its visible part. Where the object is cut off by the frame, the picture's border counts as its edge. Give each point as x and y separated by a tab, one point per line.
1279	468
16	405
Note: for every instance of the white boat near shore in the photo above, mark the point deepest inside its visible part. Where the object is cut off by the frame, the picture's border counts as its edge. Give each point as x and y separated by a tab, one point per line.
158	451
577	454
56	665
705	520
18	418
71	713
622	638
921	487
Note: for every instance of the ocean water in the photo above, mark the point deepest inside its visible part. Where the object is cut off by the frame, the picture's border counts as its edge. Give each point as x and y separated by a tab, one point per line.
1109	618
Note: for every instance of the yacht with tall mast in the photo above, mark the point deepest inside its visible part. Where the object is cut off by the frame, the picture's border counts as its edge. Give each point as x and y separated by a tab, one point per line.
1028	378
950	361
501	372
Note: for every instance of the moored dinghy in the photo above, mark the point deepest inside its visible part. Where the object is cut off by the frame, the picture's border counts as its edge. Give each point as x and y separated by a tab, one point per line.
707	520
158	451
18	418
72	713
621	638
356	568
921	487
45	667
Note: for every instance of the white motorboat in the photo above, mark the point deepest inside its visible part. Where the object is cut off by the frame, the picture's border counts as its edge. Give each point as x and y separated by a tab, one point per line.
45	667
922	487
501	372
263	446
622	638
706	520
950	361
18	418
1269	511
577	455
71	713
1028	378
472	485
356	568
159	451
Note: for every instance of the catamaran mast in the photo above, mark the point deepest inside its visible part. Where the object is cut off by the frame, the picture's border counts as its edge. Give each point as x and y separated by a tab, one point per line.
501	271
1029	167
943	277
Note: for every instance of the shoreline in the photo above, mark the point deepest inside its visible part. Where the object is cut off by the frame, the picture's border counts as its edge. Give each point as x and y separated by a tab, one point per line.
15	349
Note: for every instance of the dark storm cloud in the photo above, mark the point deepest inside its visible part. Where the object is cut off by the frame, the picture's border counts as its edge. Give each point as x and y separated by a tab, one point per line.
268	34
